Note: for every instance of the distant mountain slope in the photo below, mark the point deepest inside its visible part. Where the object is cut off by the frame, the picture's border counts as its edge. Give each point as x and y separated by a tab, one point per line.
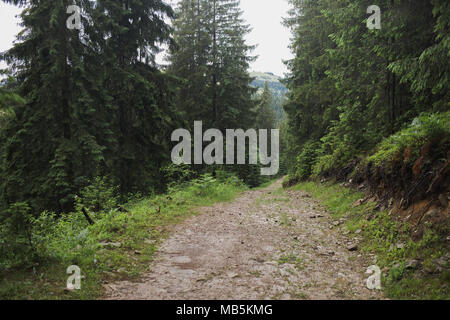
278	90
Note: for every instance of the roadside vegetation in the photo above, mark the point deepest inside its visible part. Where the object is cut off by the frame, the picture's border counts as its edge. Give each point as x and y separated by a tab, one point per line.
410	269
119	245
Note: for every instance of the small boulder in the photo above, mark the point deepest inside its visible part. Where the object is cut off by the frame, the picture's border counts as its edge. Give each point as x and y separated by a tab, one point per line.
431	214
400	245
352	247
412	264
443	201
357	203
111	244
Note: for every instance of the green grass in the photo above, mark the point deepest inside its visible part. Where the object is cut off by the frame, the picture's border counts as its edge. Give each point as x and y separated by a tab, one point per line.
426	128
379	234
70	241
266	184
291	259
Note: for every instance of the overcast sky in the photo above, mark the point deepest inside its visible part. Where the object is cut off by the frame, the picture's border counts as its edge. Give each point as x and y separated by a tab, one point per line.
264	17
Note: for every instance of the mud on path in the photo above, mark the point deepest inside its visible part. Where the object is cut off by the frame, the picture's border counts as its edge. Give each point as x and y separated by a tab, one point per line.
266	244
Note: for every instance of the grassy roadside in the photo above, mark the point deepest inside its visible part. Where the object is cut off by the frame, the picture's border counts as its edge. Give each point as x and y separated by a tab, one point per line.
397	255
119	245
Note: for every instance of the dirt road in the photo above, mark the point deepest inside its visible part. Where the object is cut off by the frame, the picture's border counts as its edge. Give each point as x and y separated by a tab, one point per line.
267	244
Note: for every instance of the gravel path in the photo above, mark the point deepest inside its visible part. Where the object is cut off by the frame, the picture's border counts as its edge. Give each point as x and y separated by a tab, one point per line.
266	244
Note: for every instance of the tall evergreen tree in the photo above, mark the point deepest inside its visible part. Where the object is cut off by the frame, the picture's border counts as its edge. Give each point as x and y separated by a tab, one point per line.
213	59
351	86
265	116
128	33
95	102
56	140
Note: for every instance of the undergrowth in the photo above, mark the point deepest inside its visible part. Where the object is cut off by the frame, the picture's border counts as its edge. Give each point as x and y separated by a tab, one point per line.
120	243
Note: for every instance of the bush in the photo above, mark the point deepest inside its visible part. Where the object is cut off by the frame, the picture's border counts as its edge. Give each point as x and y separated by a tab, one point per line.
177	174
16	243
99	196
431	127
306	160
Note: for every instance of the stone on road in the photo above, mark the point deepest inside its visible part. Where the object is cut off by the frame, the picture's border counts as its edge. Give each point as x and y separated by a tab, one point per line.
262	245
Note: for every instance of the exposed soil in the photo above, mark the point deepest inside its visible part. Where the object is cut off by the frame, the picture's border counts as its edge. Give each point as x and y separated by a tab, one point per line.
266	244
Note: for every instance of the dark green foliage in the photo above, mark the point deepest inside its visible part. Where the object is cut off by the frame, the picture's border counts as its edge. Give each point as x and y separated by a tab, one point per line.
265	117
139	95
16	244
306	160
350	87
94	102
212	58
277	89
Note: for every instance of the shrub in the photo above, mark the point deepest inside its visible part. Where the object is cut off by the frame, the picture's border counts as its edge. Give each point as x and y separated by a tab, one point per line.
429	127
99	196
306	160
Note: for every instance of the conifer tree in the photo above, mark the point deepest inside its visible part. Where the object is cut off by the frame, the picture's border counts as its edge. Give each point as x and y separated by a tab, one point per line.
56	139
265	116
141	96
213	58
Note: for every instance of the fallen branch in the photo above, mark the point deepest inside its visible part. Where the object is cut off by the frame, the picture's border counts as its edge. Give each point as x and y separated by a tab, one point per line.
91	222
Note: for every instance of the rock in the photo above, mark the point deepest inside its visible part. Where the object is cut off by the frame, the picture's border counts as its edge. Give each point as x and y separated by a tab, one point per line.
448	239
111	244
352	247
431	213
358	203
397	266
391	202
137	252
443	200
284	272
336	223
400	245
358	231
412	264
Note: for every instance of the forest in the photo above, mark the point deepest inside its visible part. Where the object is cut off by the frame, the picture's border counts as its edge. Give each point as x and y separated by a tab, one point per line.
87	114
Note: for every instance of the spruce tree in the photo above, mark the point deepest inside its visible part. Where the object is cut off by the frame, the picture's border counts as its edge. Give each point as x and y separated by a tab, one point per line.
213	59
265	116
56	139
129	32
